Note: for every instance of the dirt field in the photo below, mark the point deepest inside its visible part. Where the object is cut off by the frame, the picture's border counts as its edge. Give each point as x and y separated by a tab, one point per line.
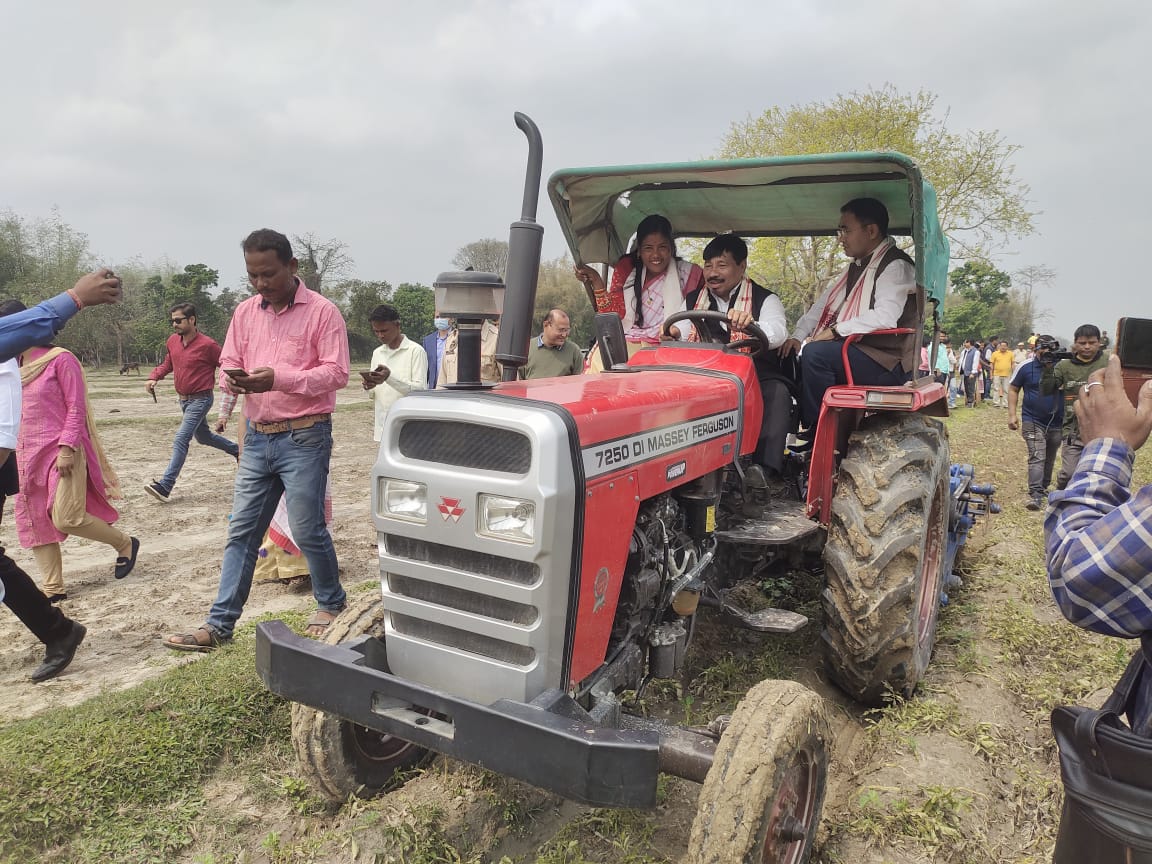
181	543
965	772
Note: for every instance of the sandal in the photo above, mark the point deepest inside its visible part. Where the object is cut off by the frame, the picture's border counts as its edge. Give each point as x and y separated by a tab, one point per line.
318	623
204	639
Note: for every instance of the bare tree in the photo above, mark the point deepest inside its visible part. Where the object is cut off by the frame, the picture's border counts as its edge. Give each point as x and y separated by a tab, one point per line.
488	255
321	263
1025	283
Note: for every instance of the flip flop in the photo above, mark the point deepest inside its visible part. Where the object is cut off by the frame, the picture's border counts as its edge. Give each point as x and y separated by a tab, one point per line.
124	565
195	641
318	623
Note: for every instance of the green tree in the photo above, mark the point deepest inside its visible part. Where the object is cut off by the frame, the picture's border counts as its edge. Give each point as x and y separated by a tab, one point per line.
981	203
417	306
196	284
973	307
362	297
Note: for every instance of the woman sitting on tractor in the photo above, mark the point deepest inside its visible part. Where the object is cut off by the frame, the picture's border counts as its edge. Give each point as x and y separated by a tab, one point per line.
645	287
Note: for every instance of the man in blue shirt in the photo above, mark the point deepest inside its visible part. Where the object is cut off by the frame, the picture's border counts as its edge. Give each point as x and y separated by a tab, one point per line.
59	633
434	344
1042	421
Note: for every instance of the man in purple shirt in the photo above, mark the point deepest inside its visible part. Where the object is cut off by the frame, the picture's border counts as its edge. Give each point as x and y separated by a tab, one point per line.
194	357
287	352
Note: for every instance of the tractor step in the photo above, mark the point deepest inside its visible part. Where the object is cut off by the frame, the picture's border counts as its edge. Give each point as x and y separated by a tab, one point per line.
767	620
776	523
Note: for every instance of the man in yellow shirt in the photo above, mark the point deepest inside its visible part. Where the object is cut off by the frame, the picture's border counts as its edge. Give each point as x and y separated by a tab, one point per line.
1002	362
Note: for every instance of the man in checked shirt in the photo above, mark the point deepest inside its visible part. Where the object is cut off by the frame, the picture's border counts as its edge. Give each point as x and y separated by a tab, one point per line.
1099	532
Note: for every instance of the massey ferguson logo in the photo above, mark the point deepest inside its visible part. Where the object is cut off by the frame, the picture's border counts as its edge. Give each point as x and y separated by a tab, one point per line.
450	508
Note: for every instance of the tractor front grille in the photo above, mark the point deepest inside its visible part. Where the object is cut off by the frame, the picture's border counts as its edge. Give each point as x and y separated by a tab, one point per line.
486	605
464	560
466	445
463	640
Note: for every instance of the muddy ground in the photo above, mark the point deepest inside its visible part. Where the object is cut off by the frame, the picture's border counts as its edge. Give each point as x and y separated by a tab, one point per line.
965	772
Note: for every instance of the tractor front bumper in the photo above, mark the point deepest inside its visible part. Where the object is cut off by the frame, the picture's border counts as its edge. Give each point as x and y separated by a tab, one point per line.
550	742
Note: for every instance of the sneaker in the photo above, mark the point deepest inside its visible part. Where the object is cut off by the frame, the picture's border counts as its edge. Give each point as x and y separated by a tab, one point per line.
156	491
1036	502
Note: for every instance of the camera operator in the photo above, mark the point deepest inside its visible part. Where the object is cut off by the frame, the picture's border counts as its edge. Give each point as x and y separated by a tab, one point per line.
1069	374
1042	417
1096	530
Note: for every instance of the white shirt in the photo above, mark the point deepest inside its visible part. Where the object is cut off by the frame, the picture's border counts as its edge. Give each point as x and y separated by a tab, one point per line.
893	286
408	370
10	402
772	319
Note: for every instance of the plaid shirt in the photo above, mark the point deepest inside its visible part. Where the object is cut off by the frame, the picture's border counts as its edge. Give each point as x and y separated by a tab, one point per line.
1099	540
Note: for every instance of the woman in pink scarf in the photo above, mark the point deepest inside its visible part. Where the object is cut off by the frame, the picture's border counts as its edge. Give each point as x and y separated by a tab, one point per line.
648	285
65	478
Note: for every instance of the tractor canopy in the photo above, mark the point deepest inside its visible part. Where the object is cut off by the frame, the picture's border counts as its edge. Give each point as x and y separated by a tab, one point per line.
782	196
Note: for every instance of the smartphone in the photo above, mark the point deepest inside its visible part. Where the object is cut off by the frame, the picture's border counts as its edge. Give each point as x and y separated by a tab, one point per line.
1134	348
365	375
236	373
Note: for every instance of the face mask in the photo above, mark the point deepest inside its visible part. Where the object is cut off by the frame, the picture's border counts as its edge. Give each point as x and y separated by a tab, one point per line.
441	323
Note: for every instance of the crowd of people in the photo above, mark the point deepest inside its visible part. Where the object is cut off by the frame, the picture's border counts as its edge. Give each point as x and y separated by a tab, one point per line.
1037	382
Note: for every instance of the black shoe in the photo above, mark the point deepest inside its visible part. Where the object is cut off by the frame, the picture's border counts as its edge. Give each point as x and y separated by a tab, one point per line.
124	565
60	652
56	598
157	491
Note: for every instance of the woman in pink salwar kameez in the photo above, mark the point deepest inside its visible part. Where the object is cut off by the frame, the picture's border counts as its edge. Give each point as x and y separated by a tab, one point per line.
65	478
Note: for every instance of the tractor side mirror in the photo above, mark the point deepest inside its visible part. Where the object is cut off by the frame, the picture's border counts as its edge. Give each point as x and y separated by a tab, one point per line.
610	336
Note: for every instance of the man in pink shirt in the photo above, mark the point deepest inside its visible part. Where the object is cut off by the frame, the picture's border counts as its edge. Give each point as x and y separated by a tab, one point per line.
287	352
194	357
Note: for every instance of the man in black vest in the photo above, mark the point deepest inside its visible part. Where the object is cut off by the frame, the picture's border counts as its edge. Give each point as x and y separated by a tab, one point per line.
876	292
727	289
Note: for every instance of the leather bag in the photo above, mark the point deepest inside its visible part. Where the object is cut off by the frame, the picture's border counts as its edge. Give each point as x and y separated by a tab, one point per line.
1106	767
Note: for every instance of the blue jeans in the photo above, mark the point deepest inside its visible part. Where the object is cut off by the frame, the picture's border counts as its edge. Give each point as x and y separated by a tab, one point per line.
194	425
821	367
294	464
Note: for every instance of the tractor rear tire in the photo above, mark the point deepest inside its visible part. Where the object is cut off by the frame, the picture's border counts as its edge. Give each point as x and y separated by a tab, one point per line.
884	558
762	798
340	758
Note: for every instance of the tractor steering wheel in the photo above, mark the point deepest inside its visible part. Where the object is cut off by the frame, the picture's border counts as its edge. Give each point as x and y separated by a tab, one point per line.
756	341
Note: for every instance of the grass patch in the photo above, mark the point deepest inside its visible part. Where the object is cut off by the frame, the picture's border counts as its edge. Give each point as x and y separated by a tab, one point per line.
1049	664
617	836
930	818
117	777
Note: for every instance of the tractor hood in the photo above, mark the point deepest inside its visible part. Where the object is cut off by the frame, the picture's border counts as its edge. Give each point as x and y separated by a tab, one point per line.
786	196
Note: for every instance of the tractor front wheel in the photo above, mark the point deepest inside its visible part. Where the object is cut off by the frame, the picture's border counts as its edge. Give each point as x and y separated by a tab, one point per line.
340	758
884	559
762	797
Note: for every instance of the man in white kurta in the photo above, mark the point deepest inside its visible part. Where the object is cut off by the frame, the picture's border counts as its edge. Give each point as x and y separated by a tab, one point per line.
399	365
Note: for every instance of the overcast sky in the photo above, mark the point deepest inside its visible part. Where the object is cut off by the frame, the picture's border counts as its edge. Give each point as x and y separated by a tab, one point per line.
164	130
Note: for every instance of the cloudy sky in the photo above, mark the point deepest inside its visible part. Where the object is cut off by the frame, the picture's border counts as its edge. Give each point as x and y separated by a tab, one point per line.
172	131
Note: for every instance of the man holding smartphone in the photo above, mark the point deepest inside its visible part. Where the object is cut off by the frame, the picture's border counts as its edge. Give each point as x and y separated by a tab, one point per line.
193	356
399	365
287	352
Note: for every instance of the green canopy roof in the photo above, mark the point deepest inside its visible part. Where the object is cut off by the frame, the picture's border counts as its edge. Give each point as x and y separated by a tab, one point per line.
786	196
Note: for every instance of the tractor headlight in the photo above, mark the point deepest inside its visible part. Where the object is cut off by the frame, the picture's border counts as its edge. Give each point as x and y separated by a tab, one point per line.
507	518
403	499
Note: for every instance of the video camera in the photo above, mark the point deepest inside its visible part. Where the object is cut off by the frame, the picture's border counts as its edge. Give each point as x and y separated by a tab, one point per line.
1047	350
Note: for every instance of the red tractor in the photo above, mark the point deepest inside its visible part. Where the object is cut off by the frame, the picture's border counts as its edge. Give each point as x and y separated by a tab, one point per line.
547	545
